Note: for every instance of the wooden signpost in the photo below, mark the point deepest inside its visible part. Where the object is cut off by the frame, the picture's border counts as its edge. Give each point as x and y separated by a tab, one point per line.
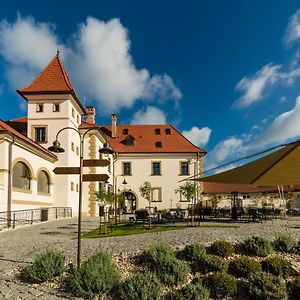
66	170
86	163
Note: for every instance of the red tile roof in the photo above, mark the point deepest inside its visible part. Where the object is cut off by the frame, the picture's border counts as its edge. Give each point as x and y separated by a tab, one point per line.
145	140
224	188
52	80
6	128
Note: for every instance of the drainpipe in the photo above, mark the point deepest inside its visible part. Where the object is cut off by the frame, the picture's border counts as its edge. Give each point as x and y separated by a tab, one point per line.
9	188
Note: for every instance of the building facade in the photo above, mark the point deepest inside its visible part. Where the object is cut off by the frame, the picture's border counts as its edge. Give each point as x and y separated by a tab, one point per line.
155	153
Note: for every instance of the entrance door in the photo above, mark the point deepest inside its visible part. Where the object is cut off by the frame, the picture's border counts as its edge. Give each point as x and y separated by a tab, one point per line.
129	204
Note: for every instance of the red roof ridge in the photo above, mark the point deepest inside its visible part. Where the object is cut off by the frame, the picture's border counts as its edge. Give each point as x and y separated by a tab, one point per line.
20	119
66	77
53	79
202	150
174	143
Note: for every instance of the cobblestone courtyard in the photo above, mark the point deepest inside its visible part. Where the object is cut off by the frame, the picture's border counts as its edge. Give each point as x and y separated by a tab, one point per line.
19	247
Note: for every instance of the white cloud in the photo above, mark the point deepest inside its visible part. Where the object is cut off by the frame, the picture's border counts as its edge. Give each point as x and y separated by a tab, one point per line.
162	88
151	115
254	88
286	126
292	32
27	47
229	148
198	136
98	59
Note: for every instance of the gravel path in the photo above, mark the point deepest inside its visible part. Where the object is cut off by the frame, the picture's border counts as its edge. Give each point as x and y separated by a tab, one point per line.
19	247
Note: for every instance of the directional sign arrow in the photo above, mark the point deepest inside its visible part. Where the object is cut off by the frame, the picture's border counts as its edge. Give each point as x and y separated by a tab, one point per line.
66	170
95	162
95	177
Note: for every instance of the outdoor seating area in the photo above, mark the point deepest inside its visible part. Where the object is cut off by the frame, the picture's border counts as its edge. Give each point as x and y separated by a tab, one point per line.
199	214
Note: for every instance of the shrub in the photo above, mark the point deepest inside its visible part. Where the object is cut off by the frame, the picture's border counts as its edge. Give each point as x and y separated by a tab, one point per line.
45	267
263	286
244	266
192	291
257	246
96	275
162	260
221	285
277	266
212	263
144	286
284	243
221	248
193	252
294	288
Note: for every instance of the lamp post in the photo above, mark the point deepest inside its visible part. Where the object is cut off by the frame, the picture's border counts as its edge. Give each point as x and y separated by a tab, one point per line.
56	148
195	163
115	191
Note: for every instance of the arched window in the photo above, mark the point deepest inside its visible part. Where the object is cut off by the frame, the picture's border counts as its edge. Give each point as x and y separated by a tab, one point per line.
21	176
43	183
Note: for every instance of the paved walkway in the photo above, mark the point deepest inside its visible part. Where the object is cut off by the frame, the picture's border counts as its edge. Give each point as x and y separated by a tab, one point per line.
19	247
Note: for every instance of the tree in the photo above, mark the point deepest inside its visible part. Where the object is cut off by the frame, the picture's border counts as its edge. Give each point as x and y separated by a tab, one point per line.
188	190
146	191
104	198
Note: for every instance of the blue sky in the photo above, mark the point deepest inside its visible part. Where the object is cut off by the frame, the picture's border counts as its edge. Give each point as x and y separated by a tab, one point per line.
225	73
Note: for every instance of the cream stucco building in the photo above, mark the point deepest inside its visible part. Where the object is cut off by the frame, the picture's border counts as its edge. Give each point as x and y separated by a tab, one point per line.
155	153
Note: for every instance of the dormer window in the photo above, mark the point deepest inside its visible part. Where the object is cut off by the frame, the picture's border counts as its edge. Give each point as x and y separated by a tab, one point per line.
39	107
129	140
157	131
158	144
168	131
55	107
125	131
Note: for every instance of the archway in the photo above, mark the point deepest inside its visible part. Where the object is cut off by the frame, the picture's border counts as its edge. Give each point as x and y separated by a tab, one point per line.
130	201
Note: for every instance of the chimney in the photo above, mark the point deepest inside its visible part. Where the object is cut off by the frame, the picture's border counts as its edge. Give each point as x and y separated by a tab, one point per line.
90	114
113	125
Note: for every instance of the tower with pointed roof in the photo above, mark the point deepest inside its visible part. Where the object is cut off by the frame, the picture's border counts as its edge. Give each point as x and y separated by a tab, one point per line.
52	105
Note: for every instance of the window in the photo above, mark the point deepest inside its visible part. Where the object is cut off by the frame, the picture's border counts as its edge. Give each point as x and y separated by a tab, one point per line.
157	131
158	145
43	183
21	176
78	119
77	187
168	131
125	131
157	194
72	186
184	168
55	107
39	107
156	168
127	168
77	150
40	134
73	112
72	146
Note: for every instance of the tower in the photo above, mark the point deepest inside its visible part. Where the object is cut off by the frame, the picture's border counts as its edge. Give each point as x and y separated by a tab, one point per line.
52	105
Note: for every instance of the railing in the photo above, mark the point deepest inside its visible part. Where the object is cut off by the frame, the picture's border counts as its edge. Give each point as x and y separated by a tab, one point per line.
30	216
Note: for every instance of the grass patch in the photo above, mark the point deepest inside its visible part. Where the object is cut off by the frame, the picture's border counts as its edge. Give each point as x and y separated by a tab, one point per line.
129	228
